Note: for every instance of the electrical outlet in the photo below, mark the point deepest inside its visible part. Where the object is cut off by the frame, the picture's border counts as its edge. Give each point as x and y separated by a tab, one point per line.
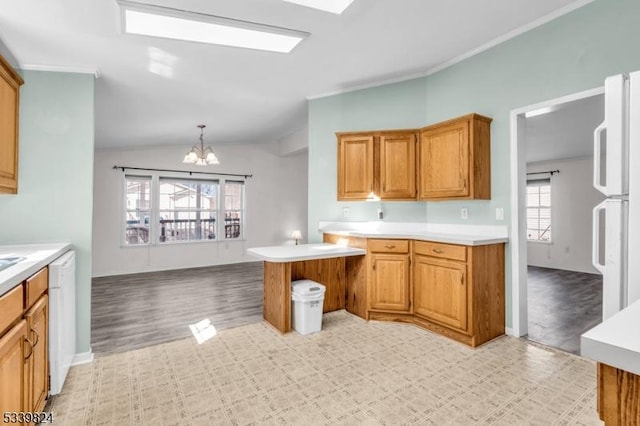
499	213
464	213
345	212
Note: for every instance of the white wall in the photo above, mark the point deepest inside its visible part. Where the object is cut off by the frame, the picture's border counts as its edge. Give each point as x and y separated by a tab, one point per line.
572	200
276	204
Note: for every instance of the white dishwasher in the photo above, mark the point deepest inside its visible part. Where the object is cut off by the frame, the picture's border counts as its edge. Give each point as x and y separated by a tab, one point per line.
62	318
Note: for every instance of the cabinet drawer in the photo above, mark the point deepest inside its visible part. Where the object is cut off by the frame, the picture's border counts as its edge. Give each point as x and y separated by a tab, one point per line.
447	251
11	307
36	285
389	246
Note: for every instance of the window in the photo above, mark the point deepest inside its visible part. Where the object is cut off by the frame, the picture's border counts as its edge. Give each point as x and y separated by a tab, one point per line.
539	210
233	209
164	210
187	210
137	209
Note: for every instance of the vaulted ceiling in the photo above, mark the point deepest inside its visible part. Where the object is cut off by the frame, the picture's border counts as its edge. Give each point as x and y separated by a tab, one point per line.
154	91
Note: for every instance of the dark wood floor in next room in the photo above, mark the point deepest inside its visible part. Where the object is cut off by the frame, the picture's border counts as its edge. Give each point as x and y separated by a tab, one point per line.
138	310
562	306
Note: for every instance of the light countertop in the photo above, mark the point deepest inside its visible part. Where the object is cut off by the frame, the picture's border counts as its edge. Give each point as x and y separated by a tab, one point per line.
616	341
468	235
36	257
294	253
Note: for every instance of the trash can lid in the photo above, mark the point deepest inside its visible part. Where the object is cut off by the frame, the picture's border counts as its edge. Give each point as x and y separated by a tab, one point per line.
306	287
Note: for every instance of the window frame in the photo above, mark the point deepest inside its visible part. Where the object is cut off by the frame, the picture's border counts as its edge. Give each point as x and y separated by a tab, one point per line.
539	182
154	221
242	210
125	210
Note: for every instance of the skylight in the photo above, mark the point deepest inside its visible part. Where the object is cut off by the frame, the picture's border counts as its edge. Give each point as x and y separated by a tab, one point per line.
156	21
333	6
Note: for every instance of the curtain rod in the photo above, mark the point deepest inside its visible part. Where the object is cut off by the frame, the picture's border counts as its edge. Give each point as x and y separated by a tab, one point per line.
123	168
551	172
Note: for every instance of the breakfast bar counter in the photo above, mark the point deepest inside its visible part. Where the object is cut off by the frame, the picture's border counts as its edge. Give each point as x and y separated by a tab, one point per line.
323	263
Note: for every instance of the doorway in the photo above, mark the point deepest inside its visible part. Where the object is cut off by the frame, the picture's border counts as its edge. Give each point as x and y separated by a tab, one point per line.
554	286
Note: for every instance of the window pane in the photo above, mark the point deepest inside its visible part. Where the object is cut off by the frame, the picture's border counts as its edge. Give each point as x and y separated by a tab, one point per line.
188	210
539	210
137	205
138	192
234	210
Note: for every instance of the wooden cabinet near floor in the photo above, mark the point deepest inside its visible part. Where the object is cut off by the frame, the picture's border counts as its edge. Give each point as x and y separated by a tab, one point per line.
37	373
459	290
24	336
440	291
454	159
382	162
389	283
13	351
618	396
10	83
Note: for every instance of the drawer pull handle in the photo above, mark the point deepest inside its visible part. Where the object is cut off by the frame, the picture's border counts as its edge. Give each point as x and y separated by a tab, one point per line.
37	337
389	246
30	352
438	251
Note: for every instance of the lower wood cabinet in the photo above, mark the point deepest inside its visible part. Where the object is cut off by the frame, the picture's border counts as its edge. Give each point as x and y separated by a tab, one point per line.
440	291
24	363
389	275
13	369
37	374
389	287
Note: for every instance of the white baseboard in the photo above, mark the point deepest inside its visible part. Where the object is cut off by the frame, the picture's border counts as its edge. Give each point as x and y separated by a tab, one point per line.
82	358
509	332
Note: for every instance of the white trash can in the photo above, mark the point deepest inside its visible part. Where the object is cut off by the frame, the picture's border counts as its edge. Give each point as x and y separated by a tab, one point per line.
307	298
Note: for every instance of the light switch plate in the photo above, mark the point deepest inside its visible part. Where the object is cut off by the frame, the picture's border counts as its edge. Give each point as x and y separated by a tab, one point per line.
499	213
464	213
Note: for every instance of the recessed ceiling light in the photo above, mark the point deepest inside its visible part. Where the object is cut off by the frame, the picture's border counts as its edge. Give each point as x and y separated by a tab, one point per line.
333	6
157	21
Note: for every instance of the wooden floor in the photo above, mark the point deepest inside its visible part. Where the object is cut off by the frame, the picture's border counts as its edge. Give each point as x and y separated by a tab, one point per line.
562	305
134	311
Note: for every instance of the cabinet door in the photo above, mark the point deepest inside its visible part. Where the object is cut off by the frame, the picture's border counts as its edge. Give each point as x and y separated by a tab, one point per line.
444	161
37	321
13	349
389	289
9	97
440	291
398	166
355	167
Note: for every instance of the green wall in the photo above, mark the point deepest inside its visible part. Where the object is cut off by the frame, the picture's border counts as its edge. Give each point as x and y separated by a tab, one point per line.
55	187
570	54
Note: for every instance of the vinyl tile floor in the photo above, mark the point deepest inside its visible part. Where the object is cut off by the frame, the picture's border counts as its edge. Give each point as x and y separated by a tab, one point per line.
133	311
351	373
562	305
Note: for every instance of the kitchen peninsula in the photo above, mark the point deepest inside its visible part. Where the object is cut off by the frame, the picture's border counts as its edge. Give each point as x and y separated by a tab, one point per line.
448	279
323	263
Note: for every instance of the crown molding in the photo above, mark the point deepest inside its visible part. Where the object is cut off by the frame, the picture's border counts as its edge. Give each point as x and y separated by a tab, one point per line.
62	68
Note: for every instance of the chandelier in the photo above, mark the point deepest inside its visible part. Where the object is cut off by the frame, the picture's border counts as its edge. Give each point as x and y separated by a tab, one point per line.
199	155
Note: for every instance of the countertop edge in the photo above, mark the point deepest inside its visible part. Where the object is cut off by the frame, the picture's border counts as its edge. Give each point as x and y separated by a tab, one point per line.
465	240
347	252
27	269
614	341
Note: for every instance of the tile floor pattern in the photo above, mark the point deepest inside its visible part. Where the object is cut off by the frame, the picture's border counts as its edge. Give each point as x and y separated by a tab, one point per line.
352	373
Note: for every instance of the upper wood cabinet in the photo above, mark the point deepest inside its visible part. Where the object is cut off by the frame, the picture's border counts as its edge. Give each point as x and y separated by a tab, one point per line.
454	159
355	167
10	83
382	162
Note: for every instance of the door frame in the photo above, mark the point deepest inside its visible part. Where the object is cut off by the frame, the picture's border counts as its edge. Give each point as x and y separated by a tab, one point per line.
518	241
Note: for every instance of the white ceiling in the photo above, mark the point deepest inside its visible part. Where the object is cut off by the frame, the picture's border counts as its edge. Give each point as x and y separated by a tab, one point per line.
567	132
154	91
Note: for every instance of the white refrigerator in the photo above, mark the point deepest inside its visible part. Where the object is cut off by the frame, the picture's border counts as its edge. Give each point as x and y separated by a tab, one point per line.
616	169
